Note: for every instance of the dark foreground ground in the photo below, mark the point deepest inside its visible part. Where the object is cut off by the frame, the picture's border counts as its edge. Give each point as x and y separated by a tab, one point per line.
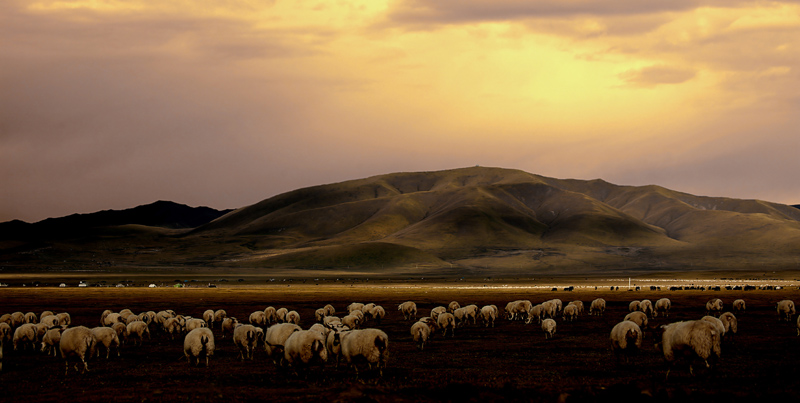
511	362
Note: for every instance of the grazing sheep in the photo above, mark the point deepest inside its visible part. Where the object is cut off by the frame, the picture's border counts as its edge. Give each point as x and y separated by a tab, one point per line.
319	315
351	321
332	343
598	307
77	342
355	306
43	314
378	313
431	324
245	337
626	339
276	337
471	312
173	327
304	348
64	319
228	326
549	328
452	306
365	345
549	309
145	317
106	337
420	333
409	310
579	305
6	318
518	310
194	323
488	315
293	317
122	331
731	325
220	315
24	336
110	319
258	318
133	318
125	312
435	312
559	305
199	343
368	310
5	332
717	324
634	306
662	307
50	341
31	317
447	321
785	310
280	315
714	307
321	329
646	306
695	339
270	313
329	310
208	316
17	319
460	316
135	331
331	321
637	317
570	313
535	313
738	306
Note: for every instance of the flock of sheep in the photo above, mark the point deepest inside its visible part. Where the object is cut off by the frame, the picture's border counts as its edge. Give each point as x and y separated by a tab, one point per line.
333	338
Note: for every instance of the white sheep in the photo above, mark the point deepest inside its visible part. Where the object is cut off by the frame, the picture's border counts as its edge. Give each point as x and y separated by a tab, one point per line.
199	343
714	307
258	318
598	307
579	305
319	315
646	306
639	318
435	312
626	339
135	331
697	338
64	319
194	323
329	310
106	337
549	309
355	306
332	343
431	324
731	325
559	305
122	331
535	313
633	306
46	313
270	315
280	315
331	321
110	319
50	341
208	316
17	319
304	348
518	310
570	313
368	310
351	321
378	313
452	306
77	342
420	333
246	337
321	329
220	315
408	309
471	313
26	335
5	332
368	345
738	306
172	327
6	318
717	324
549	328
662	307
447	321
488	315
293	317
460	315
276	337
785	310
31	317
228	326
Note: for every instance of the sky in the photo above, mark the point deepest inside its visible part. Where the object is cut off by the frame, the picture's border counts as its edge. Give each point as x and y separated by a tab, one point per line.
110	104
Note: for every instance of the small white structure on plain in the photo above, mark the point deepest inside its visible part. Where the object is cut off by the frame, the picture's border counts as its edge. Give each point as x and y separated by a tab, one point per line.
62	285
152	285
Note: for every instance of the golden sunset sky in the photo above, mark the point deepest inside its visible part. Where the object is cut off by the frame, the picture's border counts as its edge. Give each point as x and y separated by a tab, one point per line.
112	104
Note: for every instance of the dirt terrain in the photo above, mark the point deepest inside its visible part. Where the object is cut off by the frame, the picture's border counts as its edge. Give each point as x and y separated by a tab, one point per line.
510	362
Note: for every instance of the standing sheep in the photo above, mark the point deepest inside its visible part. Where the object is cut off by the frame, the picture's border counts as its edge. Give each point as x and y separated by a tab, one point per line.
276	337
549	328
598	307
365	345
785	310
535	313
549	309
258	318
488	315
25	336
319	315
199	343
460	316
378	313
5	332
64	319
420	333
435	312
245	337
228	326
208	316
637	317
31	317
717	324
293	317
447	321
738	306
77	342
570	313
136	330
646	306
626	339
220	315
452	306
106	337
662	307
51	340
355	306
731	325
195	323
634	306
304	348
280	315
695	339
579	305
714	307
271	316
409	310
122	331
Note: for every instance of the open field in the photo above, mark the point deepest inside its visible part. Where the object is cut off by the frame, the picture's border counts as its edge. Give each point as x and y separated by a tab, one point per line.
512	361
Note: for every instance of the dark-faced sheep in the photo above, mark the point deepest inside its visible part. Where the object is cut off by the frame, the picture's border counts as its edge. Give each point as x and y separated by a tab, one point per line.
276	337
420	333
77	343
549	328
626	339
367	345
646	306
731	325
697	339
738	306
304	348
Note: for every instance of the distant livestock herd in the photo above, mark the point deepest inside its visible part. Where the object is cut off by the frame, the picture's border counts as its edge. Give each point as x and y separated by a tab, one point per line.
333	339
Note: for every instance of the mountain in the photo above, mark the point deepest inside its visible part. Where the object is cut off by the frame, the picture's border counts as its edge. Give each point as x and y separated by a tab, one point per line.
472	221
163	214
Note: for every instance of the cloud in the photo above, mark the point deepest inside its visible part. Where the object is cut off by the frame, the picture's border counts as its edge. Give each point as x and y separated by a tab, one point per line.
656	75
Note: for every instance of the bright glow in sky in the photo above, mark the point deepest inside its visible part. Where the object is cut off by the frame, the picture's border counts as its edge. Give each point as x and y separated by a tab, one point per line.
112	104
